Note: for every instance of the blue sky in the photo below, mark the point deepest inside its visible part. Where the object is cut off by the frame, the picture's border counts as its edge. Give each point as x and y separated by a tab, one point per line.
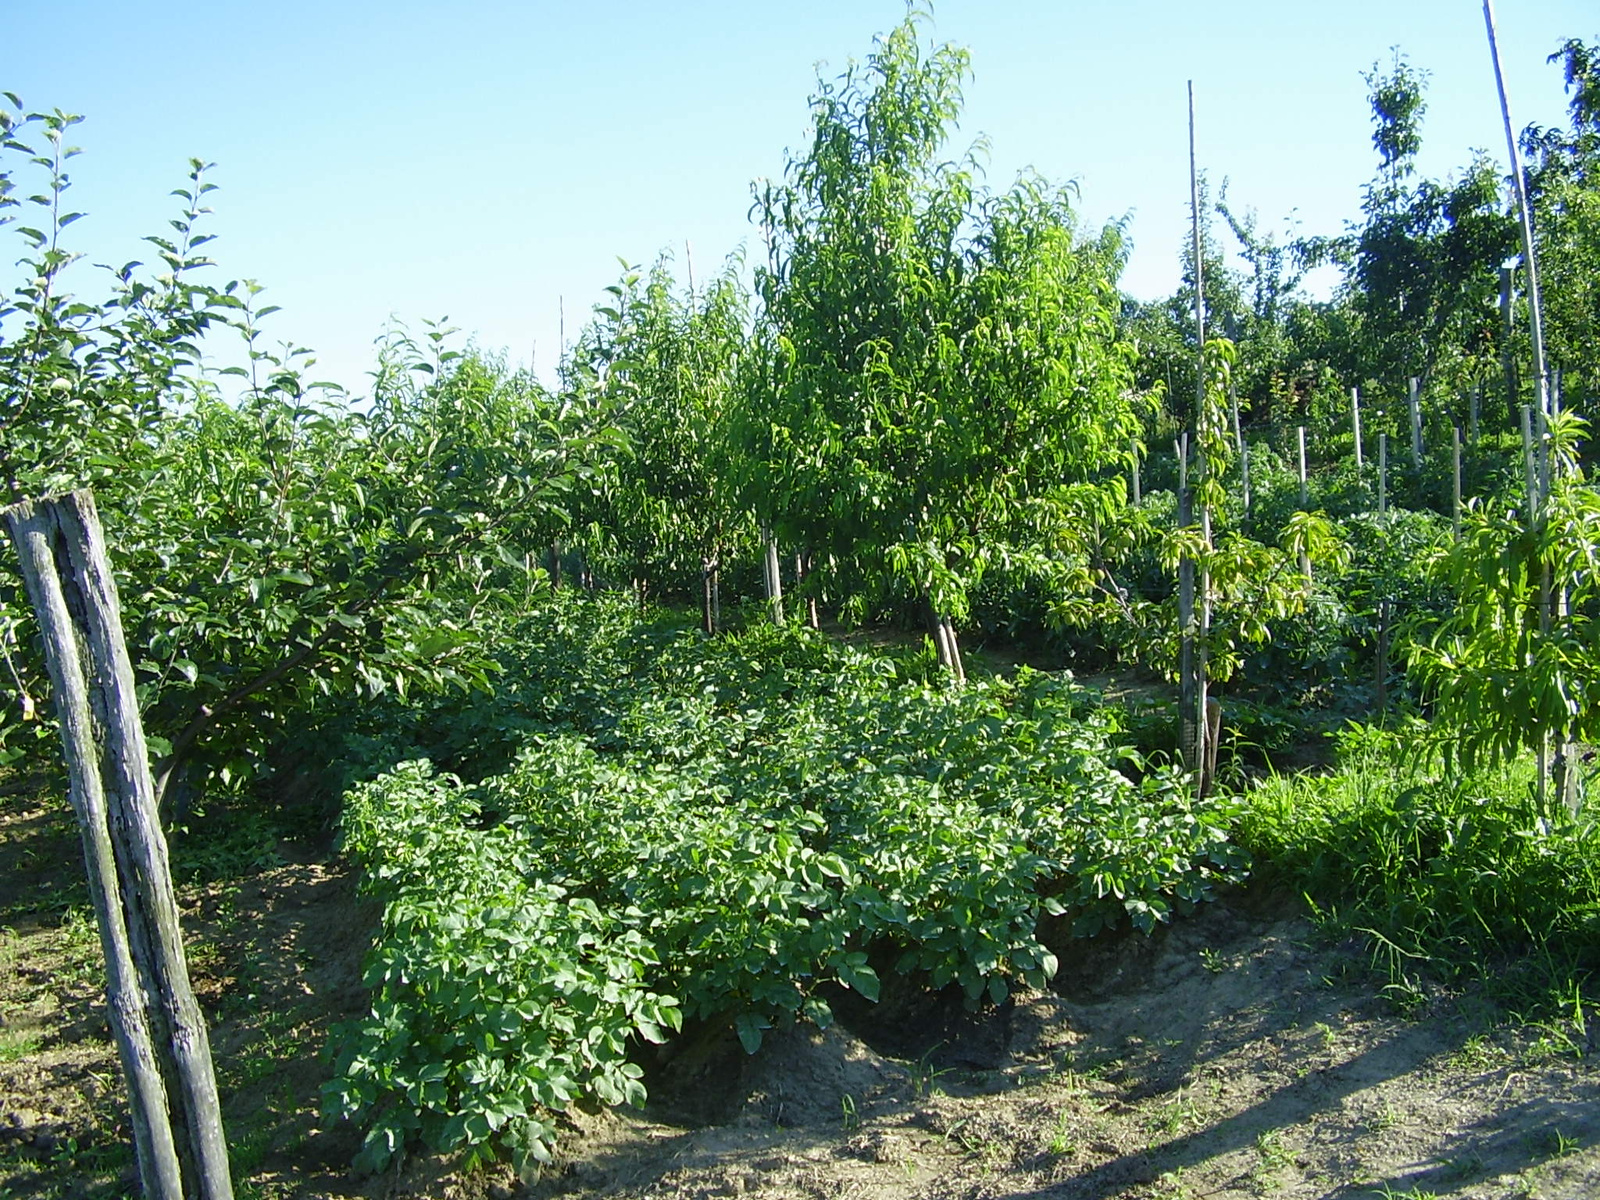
489	162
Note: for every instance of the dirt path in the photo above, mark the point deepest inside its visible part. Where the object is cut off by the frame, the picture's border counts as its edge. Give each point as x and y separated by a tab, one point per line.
1230	1057
1233	1055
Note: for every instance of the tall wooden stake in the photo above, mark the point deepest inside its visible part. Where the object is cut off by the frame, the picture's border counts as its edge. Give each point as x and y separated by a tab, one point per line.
1540	368
1525	220
1530	470
1244	451
1383	473
1455	482
1189	736
1305	497
1415	403
1508	364
1381	667
1355	424
1192	686
160	1033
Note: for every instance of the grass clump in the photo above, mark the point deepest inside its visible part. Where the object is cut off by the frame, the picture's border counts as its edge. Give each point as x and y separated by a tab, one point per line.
1456	874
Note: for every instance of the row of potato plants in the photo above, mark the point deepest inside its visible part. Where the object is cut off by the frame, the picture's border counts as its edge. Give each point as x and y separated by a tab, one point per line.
714	838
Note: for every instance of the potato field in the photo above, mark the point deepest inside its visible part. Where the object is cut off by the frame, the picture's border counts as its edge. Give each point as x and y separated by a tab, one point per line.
895	716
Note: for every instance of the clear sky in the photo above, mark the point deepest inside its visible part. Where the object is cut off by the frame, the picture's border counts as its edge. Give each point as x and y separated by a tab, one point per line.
491	161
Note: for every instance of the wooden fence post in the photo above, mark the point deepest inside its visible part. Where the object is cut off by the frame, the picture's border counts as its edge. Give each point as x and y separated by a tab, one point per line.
159	1030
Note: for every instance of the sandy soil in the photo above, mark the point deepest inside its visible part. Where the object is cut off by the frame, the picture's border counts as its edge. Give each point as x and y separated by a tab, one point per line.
1232	1055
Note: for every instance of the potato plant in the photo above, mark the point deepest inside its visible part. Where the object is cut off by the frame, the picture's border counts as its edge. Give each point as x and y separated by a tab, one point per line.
748	819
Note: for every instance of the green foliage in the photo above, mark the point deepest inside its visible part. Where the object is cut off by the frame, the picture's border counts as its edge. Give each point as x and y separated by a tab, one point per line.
1459	872
282	547
940	387
1518	656
1251	585
1564	185
1424	266
742	821
497	998
1397	110
81	383
669	363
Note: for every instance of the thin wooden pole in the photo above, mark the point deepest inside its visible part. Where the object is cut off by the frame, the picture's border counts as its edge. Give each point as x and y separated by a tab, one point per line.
1355	423
1305	496
1524	217
1508	366
1530	473
1455	482
1305	488
708	620
1415	403
1192	689
1244	451
1382	663
1383	473
1188	736
1540	368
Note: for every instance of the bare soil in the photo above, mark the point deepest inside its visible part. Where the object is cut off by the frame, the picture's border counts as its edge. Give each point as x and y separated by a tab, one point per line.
1236	1053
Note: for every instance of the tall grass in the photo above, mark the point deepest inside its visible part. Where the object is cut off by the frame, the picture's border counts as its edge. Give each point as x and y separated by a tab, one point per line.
1456	875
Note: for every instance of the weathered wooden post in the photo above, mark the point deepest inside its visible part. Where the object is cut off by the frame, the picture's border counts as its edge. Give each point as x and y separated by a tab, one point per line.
158	1027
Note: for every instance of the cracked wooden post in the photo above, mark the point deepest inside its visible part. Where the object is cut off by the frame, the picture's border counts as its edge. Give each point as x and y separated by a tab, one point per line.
160	1034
